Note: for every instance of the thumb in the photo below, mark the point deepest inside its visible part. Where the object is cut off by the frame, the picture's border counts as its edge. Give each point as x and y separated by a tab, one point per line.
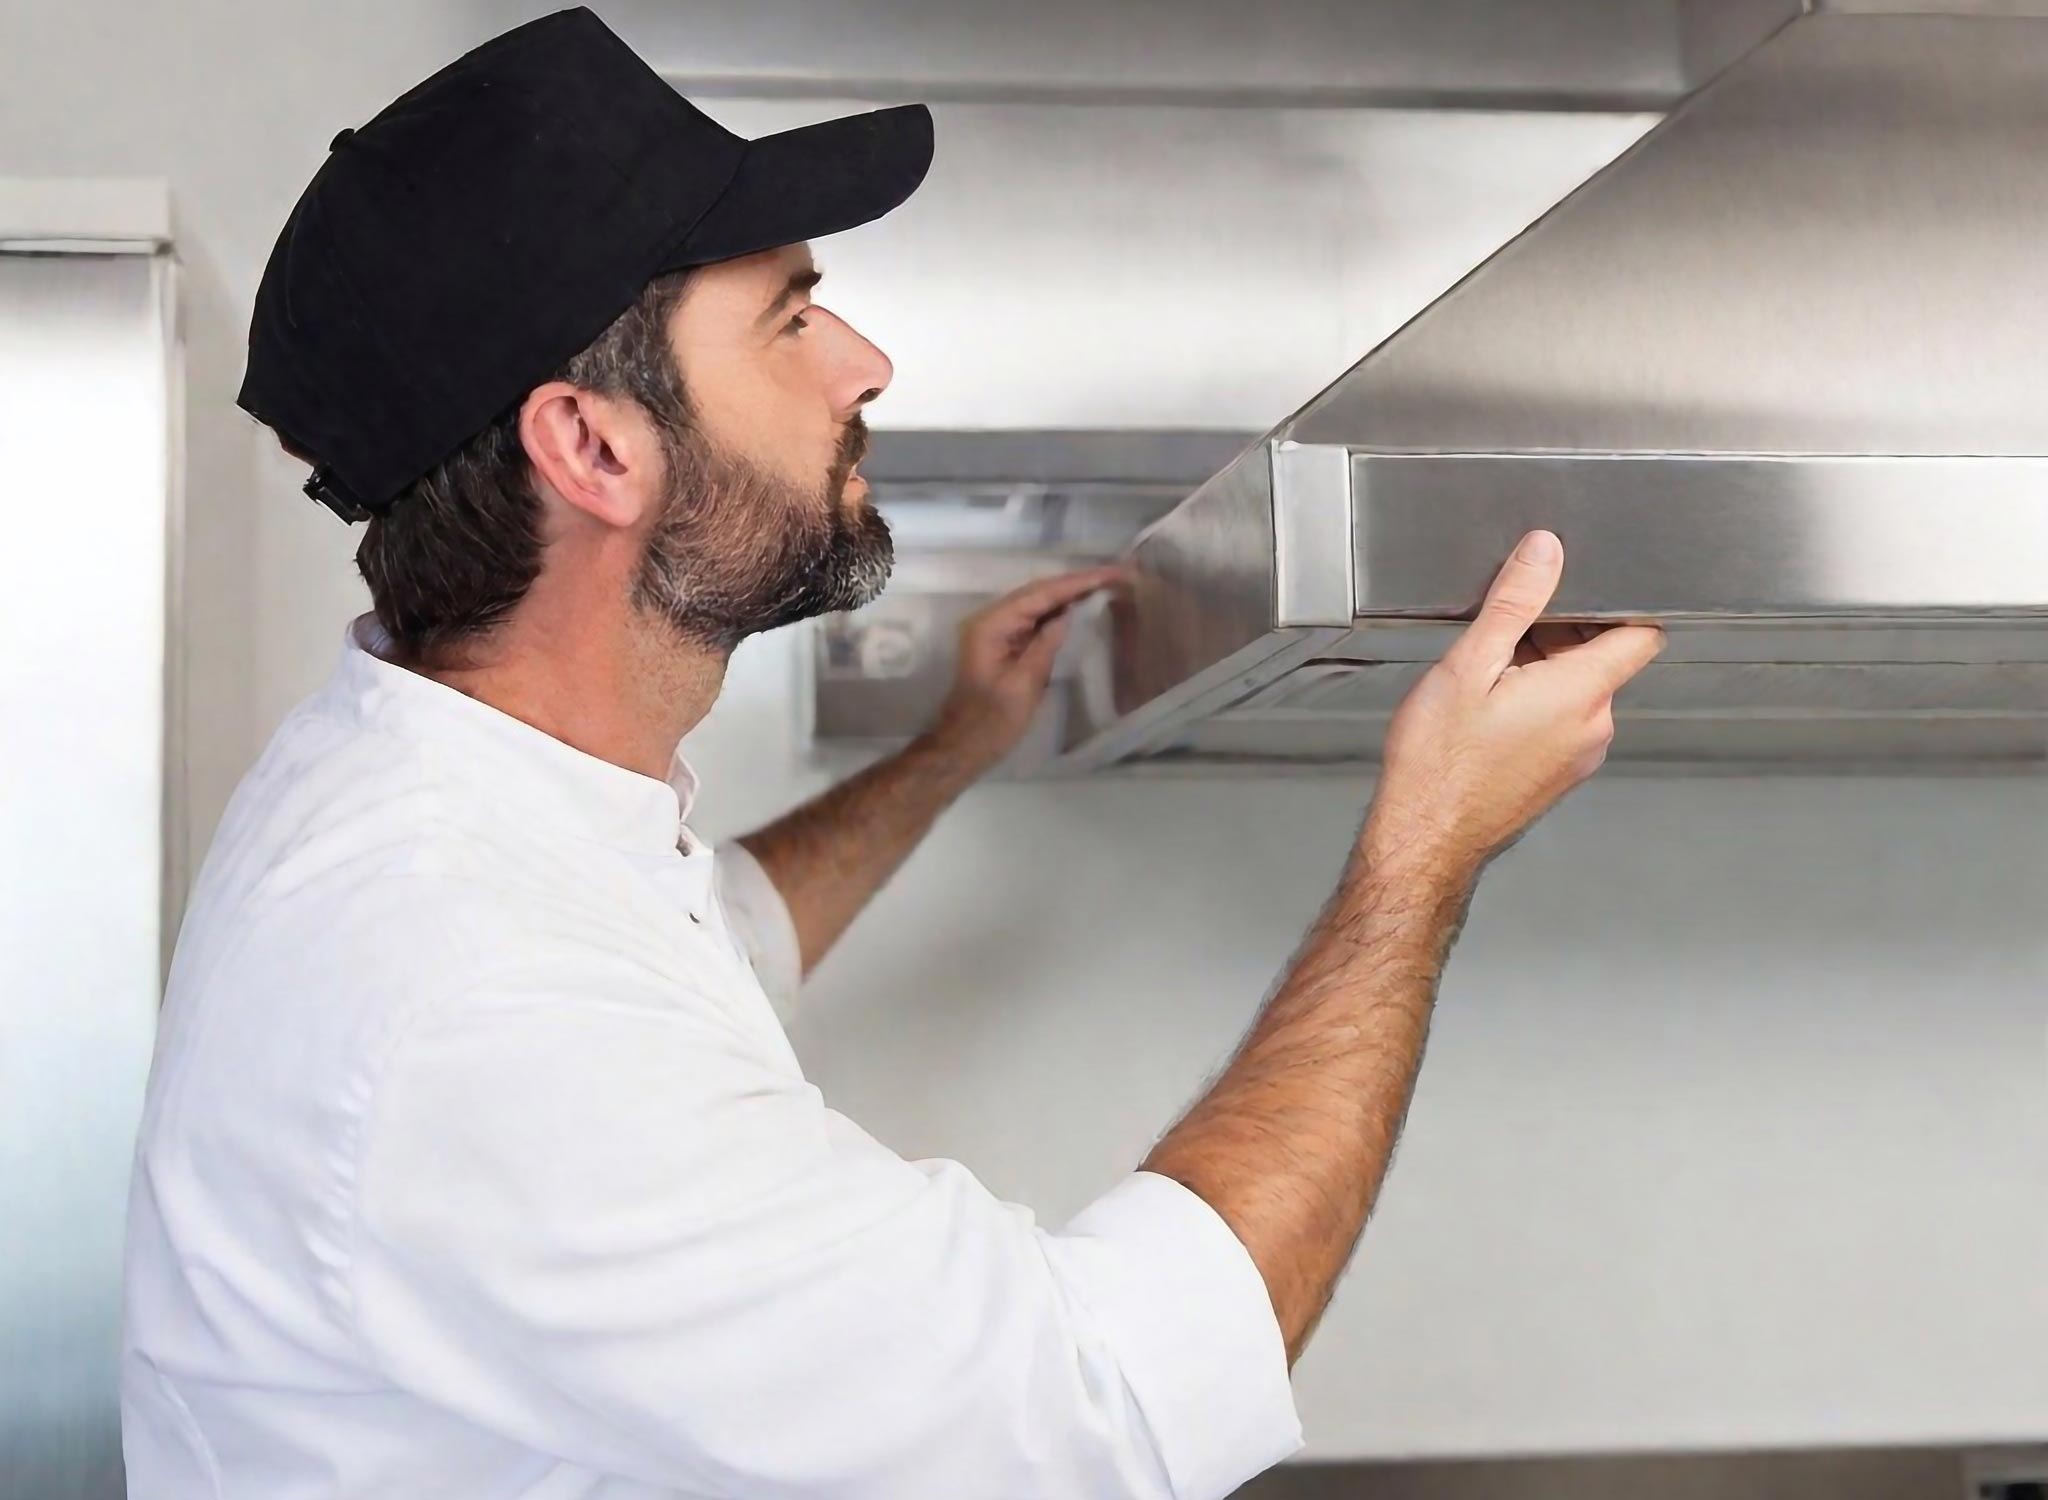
1519	595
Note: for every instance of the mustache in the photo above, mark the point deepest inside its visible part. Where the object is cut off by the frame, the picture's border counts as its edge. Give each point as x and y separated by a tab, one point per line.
853	444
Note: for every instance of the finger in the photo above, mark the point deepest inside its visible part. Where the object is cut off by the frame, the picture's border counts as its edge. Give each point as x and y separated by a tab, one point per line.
1037	659
1614	656
1035	601
1516	601
996	635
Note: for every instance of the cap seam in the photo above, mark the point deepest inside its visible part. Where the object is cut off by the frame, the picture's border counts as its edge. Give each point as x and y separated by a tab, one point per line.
673	245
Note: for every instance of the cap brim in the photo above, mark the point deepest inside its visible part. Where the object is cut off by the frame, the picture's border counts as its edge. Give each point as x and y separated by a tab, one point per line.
807	183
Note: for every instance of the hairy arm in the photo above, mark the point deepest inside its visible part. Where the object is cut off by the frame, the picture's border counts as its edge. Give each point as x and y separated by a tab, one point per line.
1292	1142
830	856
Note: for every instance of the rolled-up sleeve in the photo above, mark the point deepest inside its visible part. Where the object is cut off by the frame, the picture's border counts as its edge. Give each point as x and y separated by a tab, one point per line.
1176	1294
608	1228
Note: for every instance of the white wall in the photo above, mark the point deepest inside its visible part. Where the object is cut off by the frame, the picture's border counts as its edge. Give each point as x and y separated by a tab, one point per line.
1732	1131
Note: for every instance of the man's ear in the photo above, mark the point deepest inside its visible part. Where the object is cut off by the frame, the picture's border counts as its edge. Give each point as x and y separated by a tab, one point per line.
597	453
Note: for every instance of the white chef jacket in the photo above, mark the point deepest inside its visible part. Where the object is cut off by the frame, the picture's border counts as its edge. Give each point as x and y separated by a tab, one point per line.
476	1164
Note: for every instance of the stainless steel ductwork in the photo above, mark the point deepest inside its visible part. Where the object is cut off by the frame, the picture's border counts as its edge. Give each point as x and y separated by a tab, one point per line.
1779	376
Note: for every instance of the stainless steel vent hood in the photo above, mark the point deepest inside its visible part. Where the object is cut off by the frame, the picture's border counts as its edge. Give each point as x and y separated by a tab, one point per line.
1779	376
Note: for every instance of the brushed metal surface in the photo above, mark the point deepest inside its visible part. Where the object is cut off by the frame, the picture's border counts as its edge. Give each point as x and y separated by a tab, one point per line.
1810	691
1095	742
1935	7
1202	585
1710	537
86	367
1312	535
1942	746
1714	33
1782	365
1761	643
1831	718
1833	248
1199	615
1812	696
1469	53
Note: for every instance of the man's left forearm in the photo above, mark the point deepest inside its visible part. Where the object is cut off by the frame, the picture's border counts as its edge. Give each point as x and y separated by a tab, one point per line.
830	856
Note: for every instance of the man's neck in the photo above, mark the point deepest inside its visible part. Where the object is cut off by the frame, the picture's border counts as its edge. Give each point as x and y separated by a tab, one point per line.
621	690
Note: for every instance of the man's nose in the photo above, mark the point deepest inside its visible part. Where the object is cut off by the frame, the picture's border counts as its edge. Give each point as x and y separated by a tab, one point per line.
875	371
864	370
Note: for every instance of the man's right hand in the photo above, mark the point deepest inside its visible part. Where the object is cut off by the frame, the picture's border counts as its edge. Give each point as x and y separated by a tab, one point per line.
1512	718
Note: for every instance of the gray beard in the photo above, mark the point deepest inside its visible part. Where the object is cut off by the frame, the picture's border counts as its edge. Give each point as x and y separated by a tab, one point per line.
739	551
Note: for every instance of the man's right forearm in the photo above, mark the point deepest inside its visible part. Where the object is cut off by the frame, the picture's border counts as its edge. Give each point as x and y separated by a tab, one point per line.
1292	1142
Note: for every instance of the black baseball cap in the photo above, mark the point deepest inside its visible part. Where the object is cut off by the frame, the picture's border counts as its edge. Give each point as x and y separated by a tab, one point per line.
458	249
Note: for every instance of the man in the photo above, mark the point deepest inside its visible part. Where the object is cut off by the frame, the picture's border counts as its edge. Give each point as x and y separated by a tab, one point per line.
475	1162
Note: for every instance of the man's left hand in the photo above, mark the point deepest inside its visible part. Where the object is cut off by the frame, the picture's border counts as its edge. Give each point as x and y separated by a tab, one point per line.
1005	665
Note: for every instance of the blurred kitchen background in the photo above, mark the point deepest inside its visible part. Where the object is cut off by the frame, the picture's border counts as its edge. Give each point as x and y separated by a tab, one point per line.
1728	1173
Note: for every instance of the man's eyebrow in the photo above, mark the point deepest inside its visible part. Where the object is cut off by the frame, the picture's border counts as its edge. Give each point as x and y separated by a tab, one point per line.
799	283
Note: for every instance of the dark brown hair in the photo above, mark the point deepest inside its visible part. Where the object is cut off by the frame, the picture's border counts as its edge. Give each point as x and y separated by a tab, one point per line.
459	548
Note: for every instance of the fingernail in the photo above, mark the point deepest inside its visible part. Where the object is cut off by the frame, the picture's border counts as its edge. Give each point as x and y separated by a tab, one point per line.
1540	547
